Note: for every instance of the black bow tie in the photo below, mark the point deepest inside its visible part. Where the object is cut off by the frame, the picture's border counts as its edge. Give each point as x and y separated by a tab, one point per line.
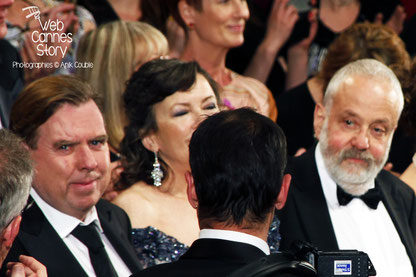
371	198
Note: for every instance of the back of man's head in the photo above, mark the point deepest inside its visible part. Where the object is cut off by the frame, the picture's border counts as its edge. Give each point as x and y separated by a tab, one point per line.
237	160
41	99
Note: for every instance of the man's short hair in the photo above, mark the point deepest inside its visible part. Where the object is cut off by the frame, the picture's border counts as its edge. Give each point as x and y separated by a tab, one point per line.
40	100
237	160
16	174
370	68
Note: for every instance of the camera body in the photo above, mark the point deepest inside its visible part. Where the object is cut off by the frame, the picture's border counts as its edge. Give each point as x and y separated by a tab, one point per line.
342	263
335	263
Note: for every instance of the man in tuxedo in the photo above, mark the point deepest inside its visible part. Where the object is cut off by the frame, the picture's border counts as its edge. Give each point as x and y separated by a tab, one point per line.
341	198
69	228
235	189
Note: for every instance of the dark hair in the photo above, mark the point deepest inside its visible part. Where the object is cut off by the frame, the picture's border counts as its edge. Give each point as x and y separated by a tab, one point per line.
41	98
155	13
151	84
237	160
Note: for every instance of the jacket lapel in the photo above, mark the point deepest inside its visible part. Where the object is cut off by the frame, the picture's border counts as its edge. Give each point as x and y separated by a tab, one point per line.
309	202
42	242
118	237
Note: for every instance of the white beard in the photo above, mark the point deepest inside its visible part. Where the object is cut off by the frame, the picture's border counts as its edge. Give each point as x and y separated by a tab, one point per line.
355	179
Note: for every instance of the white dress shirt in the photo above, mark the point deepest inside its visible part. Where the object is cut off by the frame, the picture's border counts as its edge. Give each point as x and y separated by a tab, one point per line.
359	227
235	236
64	224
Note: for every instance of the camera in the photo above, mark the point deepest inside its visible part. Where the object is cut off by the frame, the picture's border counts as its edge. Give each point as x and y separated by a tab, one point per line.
335	263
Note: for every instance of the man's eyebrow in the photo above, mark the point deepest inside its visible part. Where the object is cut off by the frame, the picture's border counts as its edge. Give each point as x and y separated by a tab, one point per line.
101	137
64	142
349	113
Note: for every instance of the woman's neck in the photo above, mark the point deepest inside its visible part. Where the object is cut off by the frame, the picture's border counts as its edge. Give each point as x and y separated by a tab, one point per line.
209	56
175	184
338	15
127	9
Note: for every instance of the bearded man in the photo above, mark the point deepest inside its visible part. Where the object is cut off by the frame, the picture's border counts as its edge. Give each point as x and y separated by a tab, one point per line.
340	197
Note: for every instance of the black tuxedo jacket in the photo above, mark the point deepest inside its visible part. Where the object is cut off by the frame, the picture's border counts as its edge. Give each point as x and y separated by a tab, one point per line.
38	239
208	257
306	216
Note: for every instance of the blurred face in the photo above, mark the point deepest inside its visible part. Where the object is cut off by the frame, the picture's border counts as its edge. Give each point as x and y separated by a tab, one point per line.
71	159
4	6
222	22
355	136
177	116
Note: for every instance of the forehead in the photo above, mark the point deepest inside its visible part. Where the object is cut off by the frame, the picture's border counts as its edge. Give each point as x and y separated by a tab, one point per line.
71	122
371	98
200	90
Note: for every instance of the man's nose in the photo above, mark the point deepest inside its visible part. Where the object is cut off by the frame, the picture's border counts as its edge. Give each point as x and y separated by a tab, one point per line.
361	141
86	159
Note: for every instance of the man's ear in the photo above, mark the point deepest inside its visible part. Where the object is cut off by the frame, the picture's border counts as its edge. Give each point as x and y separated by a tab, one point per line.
282	197
150	142
318	119
190	190
187	12
10	232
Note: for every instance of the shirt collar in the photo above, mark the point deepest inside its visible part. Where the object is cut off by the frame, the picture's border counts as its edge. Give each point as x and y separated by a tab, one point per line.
63	223
235	236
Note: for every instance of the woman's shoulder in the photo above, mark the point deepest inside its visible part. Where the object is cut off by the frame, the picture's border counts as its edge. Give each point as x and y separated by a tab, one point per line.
247	82
134	199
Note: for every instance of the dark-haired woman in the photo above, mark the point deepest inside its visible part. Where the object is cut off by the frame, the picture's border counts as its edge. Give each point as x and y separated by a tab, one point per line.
165	101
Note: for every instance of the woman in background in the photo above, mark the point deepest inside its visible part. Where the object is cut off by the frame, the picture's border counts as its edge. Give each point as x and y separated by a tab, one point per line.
212	28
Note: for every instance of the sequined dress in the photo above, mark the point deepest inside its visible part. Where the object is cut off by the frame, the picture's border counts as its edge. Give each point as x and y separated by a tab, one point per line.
155	247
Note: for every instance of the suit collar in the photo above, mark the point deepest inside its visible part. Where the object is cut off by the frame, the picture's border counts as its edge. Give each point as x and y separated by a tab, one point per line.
224	250
39	238
117	236
307	192
235	236
63	223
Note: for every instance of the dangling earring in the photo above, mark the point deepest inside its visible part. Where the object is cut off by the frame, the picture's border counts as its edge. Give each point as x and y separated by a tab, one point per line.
157	173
